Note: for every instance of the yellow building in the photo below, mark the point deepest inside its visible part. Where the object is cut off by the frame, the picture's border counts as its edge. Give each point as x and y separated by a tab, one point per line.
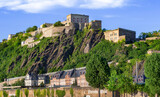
120	34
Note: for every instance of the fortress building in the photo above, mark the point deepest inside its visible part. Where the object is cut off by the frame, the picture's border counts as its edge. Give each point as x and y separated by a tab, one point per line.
120	34
76	18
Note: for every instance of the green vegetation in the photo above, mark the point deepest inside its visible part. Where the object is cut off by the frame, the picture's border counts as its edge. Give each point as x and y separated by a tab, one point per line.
152	71
52	93
30	29
60	93
26	92
5	94
19	83
97	72
44	26
18	93
58	23
71	92
48	92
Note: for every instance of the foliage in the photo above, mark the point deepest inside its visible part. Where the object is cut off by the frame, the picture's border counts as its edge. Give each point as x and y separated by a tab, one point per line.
144	35
1	93
60	93
42	84
35	92
152	71
58	23
38	92
18	93
38	36
44	26
19	83
52	92
21	93
5	84
97	71
48	92
26	92
71	92
5	94
30	29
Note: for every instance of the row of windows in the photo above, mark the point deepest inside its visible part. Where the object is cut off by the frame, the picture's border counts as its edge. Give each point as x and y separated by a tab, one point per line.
115	38
114	34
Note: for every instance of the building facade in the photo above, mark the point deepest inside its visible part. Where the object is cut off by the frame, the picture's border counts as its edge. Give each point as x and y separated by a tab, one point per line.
10	36
76	18
120	34
69	77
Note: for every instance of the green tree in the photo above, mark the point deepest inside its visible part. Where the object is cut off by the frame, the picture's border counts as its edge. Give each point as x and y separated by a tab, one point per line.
38	92
48	92
97	72
152	72
60	93
26	92
5	94
58	23
18	93
71	92
52	93
35	93
44	92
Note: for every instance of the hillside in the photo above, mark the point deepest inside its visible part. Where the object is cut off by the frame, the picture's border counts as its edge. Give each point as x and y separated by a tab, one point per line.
68	51
49	55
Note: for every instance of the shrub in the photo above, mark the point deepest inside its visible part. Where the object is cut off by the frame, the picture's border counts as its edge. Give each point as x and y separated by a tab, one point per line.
71	92
18	93
30	29
34	93
5	84
44	25
60	93
58	23
26	91
5	94
43	93
38	92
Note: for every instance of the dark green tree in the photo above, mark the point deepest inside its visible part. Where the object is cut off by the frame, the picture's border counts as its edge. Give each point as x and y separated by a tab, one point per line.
97	72
71	92
48	92
152	72
5	94
52	92
58	23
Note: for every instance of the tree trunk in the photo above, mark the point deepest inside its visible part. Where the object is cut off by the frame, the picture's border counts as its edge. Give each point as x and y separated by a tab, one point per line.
112	93
99	94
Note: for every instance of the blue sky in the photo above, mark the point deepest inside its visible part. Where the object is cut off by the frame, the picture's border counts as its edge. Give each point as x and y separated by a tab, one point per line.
137	15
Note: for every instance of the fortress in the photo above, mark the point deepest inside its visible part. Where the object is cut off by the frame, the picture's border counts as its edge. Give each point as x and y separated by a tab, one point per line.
79	22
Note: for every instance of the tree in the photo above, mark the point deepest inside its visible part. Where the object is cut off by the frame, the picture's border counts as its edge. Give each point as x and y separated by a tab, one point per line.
152	72
60	93
35	93
58	23
97	72
26	92
5	94
38	93
18	93
71	92
52	93
48	92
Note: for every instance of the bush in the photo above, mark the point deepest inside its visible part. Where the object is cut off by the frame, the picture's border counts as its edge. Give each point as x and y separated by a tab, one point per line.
58	23
19	83
30	29
44	26
60	93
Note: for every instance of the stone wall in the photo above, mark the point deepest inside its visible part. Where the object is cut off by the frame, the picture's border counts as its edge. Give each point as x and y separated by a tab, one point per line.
81	92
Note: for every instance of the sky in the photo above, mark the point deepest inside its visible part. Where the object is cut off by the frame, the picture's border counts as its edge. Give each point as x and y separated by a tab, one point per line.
137	15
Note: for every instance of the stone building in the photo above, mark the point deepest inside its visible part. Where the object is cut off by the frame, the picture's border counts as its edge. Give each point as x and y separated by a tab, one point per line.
68	77
76	18
96	24
120	34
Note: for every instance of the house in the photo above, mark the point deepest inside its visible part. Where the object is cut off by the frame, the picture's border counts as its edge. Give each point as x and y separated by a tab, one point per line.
69	77
31	80
36	80
120	34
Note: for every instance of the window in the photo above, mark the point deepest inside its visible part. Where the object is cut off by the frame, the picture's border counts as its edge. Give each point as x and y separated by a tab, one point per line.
115	33
115	38
111	34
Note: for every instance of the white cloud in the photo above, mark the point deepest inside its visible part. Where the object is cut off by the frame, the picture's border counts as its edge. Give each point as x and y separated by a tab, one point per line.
110	16
37	6
96	4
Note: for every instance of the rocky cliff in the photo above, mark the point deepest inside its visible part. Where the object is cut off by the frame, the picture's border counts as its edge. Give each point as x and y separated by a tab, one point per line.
57	50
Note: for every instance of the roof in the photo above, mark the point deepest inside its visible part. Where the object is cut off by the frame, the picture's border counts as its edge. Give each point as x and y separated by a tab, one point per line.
79	15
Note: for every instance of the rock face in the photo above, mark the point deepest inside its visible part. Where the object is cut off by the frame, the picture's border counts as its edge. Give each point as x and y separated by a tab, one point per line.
56	53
